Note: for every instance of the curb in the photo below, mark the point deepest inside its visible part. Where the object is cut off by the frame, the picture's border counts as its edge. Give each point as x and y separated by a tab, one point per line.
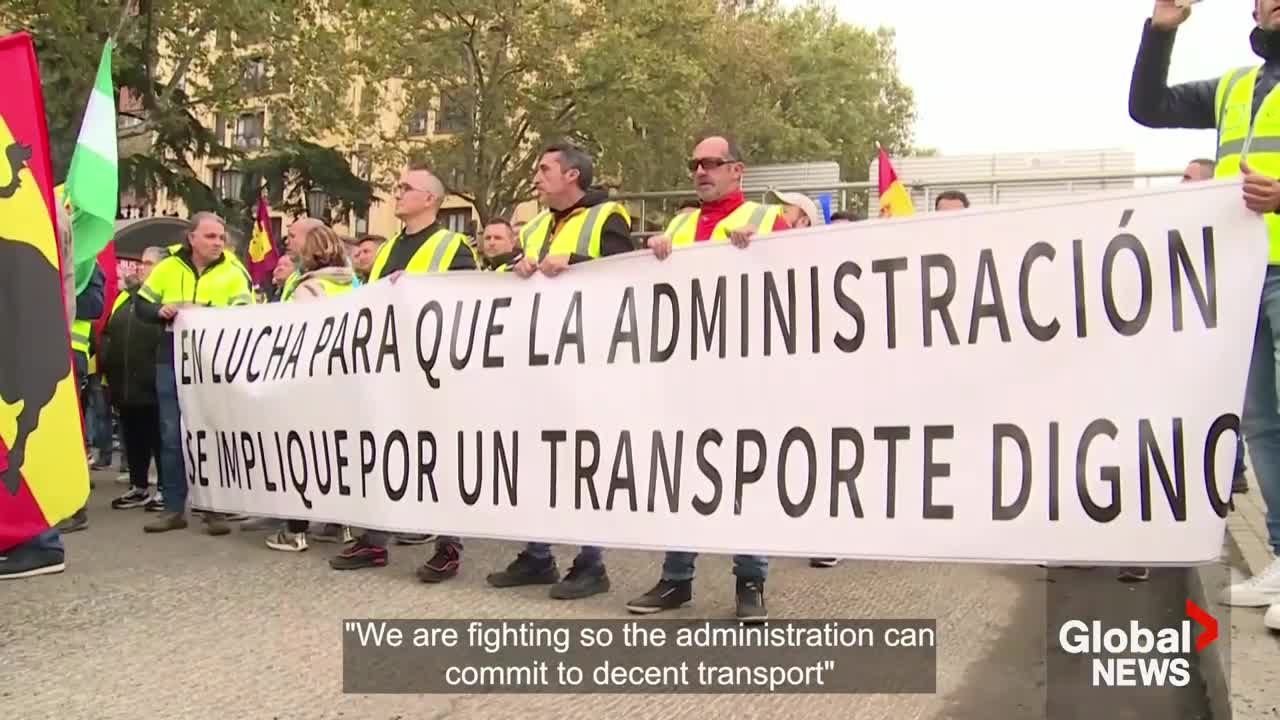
1205	582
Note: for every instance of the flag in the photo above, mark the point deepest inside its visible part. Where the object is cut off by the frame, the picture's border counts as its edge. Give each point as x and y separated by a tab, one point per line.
43	474
894	198
262	247
93	181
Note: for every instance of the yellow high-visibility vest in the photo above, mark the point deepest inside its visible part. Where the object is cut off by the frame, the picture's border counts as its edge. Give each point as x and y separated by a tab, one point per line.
435	255
223	283
1245	138
579	233
683	228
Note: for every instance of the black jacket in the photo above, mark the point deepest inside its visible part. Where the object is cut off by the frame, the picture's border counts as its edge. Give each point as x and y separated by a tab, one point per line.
127	357
1189	105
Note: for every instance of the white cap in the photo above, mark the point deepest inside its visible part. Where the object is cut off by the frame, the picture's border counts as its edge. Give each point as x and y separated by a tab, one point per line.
800	200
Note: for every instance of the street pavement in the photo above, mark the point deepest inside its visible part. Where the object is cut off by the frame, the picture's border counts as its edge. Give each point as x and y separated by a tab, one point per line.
183	625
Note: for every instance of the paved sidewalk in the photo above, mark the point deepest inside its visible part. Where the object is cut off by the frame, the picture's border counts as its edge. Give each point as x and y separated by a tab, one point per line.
1254	666
188	626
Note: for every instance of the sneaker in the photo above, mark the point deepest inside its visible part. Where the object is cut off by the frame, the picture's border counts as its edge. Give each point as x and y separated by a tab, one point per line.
261	523
414	539
166	522
823	562
135	498
286	541
1134	574
155	504
1260	590
751	609
216	524
1272	618
331	533
29	562
443	565
77	522
526	570
582	582
666	595
360	555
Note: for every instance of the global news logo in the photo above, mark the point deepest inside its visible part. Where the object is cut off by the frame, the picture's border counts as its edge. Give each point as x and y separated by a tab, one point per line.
1137	656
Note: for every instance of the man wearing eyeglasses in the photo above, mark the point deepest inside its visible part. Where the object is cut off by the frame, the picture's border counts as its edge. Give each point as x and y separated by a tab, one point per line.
423	246
716	168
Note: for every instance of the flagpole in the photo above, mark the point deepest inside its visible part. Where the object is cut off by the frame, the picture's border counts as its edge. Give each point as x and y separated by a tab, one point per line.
125	6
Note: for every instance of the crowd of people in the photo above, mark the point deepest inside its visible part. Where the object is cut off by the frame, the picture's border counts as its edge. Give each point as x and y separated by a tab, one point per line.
132	362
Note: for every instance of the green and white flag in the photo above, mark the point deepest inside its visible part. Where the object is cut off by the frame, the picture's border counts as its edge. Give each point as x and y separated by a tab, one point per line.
93	181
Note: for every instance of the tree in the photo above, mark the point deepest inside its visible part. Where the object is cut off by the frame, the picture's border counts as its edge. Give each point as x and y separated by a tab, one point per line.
631	80
183	70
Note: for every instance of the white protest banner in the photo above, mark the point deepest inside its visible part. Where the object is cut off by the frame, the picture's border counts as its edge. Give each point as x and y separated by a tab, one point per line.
1019	384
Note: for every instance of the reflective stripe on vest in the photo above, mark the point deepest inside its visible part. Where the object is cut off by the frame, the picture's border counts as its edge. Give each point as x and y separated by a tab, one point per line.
290	285
1242	136
80	331
579	233
435	255
683	228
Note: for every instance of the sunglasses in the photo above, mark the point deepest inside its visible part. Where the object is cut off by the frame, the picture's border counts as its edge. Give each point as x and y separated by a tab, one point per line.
708	164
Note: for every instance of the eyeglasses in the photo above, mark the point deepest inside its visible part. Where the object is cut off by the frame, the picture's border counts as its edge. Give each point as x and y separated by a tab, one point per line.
708	164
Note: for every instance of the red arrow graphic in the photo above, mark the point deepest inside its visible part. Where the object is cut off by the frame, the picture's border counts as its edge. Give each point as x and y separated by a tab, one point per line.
1210	633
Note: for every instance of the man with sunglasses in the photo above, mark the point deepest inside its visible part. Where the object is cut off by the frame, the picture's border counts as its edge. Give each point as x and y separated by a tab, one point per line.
717	168
423	246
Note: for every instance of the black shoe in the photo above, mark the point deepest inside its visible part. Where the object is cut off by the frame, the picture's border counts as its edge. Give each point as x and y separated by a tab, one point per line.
666	595
26	562
823	562
526	570
751	608
155	504
582	582
358	556
443	564
75	523
135	498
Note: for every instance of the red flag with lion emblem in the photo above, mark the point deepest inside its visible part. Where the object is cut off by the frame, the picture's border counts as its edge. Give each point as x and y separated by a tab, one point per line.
43	475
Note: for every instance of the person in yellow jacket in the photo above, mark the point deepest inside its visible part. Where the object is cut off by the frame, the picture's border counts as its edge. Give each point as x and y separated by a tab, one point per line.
1243	105
717	168
202	273
322	258
579	225
724	215
424	246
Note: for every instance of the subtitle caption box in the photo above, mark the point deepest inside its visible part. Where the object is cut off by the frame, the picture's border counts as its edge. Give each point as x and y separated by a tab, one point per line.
530	656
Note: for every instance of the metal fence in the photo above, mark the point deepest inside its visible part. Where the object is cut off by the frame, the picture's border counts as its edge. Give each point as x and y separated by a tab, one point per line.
650	211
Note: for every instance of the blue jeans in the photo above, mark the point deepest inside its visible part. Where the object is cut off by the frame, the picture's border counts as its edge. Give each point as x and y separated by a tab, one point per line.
679	566
173	475
97	418
588	555
1261	421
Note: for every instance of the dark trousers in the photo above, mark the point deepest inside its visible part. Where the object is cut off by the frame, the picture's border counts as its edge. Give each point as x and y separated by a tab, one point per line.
141	429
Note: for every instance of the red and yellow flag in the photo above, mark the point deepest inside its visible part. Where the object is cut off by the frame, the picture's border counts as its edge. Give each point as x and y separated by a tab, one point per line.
43	474
894	199
262	246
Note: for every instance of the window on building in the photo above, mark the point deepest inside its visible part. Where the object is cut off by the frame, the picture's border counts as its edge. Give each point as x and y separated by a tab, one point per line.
253	76
227	184
456	219
452	116
417	123
249	130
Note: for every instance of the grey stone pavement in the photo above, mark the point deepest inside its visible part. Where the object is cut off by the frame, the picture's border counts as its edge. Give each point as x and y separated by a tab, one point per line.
184	625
